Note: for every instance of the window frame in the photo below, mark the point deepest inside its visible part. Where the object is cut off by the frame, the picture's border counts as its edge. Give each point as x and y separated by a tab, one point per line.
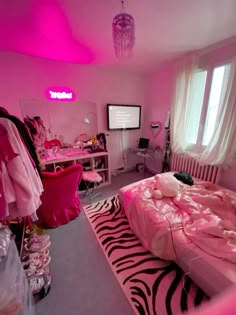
198	147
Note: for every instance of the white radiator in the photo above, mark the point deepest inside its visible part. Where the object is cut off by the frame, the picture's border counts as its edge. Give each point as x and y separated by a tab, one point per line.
181	162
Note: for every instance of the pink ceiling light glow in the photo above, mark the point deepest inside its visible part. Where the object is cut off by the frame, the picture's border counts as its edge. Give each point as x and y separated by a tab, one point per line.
42	28
60	94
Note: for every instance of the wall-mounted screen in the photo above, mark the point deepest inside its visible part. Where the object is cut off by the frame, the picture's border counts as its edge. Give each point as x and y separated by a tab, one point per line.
121	117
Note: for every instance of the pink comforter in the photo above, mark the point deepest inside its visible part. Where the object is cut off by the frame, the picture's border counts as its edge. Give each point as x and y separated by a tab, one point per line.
203	214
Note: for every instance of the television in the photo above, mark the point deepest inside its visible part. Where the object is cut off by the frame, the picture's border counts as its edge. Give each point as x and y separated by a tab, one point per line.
120	117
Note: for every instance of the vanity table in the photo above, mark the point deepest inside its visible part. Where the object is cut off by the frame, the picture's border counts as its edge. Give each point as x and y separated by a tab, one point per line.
98	161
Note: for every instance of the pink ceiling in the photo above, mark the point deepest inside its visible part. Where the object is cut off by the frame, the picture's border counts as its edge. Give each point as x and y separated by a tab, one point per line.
79	31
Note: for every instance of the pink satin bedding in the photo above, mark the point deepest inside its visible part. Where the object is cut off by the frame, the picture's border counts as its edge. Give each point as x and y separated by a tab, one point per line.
203	215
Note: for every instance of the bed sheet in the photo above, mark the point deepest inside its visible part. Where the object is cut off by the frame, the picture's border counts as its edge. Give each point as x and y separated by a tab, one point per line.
199	222
155	229
203	213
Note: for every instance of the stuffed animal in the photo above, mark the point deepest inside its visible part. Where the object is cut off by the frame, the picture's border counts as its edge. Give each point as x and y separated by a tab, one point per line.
165	185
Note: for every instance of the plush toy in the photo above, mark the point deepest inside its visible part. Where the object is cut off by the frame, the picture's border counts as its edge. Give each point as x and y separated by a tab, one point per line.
165	185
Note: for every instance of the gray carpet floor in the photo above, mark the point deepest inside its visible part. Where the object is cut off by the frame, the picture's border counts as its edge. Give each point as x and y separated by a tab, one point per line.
82	280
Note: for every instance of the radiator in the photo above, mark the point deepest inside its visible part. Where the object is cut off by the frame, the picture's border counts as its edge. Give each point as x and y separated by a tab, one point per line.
181	162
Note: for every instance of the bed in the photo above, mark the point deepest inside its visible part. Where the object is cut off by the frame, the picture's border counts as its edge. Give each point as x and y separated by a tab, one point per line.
196	229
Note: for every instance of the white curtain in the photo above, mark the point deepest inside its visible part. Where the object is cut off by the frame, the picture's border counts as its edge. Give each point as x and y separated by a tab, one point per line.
222	146
181	104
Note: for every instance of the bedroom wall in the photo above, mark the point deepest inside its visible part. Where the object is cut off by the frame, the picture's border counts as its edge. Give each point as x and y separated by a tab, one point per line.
158	99
161	87
28	77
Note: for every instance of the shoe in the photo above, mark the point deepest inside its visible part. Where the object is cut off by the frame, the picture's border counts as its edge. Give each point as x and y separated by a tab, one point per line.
35	238
40	263
34	256
35	247
36	284
40	284
36	272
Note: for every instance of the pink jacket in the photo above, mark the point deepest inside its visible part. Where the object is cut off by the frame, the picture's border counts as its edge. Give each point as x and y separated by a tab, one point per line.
20	187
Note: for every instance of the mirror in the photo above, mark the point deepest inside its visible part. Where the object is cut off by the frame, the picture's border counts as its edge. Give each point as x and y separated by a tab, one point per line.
65	121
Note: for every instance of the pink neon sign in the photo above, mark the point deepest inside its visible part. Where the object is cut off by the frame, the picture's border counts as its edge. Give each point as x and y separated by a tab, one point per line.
60	94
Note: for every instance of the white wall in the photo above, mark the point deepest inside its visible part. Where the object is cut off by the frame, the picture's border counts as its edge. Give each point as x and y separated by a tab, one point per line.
24	77
158	99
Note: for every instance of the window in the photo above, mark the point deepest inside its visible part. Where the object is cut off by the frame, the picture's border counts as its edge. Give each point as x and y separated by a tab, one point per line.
204	98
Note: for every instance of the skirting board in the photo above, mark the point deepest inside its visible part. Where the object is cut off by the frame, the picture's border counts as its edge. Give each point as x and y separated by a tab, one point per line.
153	171
133	168
122	170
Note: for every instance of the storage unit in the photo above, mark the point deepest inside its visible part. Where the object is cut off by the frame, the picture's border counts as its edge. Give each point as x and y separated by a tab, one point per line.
98	162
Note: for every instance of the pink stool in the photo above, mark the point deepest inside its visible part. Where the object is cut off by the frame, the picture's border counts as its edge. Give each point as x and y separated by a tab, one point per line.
92	179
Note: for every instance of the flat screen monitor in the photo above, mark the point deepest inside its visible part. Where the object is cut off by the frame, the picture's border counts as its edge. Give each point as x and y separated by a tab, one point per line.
143	143
120	117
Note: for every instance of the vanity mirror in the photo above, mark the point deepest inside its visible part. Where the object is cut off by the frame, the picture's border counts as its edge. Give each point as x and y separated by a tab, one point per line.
63	120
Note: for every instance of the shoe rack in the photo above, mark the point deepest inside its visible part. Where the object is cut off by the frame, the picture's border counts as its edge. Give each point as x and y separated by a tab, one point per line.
35	259
15	293
32	251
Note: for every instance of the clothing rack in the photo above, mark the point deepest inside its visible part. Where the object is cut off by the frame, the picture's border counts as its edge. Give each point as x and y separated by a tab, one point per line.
20	197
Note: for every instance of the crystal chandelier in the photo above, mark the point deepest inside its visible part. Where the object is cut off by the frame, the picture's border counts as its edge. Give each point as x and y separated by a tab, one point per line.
123	33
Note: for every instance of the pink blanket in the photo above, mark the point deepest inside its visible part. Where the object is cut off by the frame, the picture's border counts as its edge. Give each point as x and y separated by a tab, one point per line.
203	214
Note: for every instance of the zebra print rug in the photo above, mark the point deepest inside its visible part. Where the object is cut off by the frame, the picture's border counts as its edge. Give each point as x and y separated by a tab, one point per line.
152	286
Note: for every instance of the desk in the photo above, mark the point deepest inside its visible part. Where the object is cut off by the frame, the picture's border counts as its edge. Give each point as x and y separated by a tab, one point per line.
98	162
143	153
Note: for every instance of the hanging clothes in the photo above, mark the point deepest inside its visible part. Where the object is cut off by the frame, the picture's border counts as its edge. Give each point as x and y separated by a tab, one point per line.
25	137
21	186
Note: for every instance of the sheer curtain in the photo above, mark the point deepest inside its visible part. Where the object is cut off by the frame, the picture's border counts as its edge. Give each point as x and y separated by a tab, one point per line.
222	146
181	105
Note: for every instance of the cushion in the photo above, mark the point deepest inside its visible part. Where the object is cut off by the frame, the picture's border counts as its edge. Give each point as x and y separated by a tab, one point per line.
91	176
184	177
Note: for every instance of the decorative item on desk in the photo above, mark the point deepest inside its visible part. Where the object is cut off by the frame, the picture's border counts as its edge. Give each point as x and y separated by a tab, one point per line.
156	127
101	138
94	140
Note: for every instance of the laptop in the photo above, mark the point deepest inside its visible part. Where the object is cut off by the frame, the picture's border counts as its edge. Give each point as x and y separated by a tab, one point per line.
143	144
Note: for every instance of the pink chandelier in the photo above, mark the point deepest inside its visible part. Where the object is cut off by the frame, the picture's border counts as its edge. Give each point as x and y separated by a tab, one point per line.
123	33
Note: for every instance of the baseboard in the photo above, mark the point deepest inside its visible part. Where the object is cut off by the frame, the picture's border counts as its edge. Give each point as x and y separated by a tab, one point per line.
133	168
153	171
122	170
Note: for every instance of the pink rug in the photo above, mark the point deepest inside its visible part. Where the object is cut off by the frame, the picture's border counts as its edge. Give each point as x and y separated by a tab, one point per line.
152	286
